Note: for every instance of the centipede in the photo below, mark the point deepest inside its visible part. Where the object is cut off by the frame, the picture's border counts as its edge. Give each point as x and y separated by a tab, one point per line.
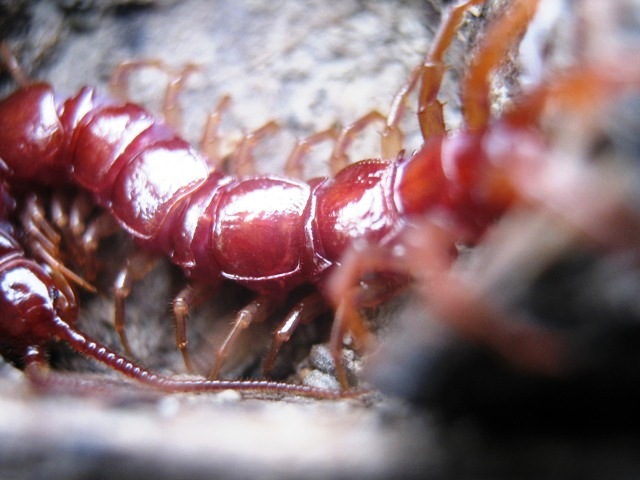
39	307
350	236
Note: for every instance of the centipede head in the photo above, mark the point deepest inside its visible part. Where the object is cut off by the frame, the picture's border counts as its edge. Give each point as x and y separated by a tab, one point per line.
31	299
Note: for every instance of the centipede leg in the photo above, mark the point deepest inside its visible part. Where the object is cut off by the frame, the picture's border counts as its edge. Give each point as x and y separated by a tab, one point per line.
188	297
307	309
347	320
12	64
171	109
242	160
136	268
44	241
60	212
212	143
257	311
345	290
339	158
37	227
103	226
430	114
119	80
458	296
240	156
81	229
392	138
494	47
429	74
294	165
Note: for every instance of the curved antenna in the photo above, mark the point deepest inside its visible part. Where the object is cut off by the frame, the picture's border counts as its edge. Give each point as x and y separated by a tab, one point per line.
90	348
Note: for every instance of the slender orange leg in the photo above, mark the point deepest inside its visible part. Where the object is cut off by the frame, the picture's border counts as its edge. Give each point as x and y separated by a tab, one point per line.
463	303
171	109
347	320
429	108
104	225
429	75
34	221
11	62
392	138
119	80
212	142
81	208
243	161
346	293
294	165
257	311
44	242
307	309
41	252
339	158
495	44
188	297
136	268
81	231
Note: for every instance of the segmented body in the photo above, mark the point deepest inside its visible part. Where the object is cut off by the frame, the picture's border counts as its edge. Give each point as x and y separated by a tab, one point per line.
38	307
268	233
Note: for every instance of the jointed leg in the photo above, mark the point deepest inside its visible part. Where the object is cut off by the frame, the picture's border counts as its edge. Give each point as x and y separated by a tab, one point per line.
294	165
307	309
188	297
171	108
347	320
137	267
345	291
429	75
44	242
459	300
82	228
339	158
212	142
11	63
242	160
257	311
496	43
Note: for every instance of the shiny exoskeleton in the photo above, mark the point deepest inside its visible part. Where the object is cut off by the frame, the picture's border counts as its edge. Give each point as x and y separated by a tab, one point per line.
38	308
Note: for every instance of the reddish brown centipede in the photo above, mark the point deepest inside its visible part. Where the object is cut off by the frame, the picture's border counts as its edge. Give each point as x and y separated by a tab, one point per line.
38	307
273	234
268	233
